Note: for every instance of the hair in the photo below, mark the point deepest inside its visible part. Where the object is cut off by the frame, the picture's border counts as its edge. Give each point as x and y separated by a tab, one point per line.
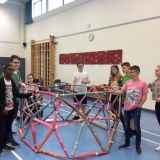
31	74
158	66
127	64
14	57
6	66
80	62
118	75
136	68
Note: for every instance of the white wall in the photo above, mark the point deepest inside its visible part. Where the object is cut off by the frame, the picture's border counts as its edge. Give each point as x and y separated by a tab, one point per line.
133	26
11	30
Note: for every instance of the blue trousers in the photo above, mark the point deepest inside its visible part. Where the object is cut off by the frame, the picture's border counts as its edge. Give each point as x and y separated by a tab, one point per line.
136	116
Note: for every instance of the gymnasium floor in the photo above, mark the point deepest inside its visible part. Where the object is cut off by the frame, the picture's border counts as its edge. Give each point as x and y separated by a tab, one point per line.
150	140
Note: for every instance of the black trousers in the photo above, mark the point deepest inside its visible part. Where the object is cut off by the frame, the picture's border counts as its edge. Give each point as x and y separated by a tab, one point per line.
157	110
5	127
115	106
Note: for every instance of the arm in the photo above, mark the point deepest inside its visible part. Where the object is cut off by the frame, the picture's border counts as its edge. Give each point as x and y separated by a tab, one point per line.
23	95
23	85
2	108
116	92
38	96
158	99
72	87
85	81
143	100
20	95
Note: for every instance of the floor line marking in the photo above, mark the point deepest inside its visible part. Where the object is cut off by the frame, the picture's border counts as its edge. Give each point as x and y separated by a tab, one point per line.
121	124
17	156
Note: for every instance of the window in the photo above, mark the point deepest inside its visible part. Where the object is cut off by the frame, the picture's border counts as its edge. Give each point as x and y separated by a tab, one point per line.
38	7
52	4
68	1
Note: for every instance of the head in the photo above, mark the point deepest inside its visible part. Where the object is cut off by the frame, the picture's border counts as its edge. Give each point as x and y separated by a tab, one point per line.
157	71
125	67
30	78
80	65
114	73
8	70
134	71
15	61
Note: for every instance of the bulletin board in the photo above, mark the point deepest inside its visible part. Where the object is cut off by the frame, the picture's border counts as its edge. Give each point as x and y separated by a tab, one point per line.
95	57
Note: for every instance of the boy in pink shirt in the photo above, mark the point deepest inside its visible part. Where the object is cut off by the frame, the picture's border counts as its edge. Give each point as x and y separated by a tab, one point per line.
136	94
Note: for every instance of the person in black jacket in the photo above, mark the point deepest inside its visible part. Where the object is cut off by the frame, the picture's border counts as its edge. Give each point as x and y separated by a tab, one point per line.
8	94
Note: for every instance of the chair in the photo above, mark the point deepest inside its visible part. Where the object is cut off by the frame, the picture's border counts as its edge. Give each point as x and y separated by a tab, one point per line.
57	81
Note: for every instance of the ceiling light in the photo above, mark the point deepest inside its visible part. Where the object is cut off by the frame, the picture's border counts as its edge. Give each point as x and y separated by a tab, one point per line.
3	1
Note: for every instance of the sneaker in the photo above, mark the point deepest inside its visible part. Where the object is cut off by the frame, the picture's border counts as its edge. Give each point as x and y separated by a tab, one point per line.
14	133
138	150
1	152
12	143
157	149
76	117
124	146
9	148
112	127
134	133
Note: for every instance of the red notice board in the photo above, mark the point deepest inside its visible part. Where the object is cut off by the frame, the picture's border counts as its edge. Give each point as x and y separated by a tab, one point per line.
97	57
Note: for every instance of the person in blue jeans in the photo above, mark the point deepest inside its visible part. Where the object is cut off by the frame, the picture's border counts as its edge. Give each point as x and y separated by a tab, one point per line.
136	94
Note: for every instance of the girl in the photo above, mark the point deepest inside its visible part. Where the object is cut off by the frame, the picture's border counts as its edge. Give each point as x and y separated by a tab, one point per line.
155	89
115	81
31	85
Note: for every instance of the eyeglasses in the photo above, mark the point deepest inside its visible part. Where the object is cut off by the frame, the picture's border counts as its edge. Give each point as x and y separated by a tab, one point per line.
16	62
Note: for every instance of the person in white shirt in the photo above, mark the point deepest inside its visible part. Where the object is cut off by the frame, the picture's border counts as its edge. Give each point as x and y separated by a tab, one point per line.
80	77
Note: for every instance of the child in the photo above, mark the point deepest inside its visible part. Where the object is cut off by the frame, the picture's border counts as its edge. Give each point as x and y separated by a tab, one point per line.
126	69
155	89
8	94
136	91
115	81
80	77
16	77
31	85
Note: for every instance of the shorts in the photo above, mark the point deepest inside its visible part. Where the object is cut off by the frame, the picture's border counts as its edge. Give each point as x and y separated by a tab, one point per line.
79	97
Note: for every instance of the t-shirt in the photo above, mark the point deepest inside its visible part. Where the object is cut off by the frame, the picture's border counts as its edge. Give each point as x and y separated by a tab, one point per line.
8	95
155	89
124	80
16	77
134	93
77	77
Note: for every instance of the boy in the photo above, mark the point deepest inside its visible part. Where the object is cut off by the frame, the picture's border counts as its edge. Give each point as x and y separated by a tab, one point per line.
136	94
8	94
80	77
126	69
16	77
